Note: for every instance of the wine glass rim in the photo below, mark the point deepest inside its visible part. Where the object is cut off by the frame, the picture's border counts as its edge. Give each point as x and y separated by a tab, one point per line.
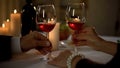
46	5
77	3
49	5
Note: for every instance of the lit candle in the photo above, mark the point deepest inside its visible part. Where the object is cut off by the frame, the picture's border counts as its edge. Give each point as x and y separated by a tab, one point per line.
15	23
54	36
3	29
3	25
7	26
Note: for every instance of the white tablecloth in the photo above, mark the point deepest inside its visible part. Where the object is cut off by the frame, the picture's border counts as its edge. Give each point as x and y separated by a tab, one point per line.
111	38
38	62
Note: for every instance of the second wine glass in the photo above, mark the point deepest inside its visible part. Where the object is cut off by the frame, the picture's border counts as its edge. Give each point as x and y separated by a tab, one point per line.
75	17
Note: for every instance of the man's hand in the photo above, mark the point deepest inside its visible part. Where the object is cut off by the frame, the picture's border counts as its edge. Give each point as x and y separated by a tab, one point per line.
35	40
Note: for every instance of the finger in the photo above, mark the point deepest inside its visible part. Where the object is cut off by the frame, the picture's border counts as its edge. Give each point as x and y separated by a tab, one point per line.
42	43
43	52
81	43
66	52
87	29
46	50
80	37
39	36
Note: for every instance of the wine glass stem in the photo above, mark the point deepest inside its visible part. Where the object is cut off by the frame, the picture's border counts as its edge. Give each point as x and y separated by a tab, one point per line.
47	35
75	49
49	54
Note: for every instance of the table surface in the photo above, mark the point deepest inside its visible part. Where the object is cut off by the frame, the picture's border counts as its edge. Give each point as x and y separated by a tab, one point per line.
31	60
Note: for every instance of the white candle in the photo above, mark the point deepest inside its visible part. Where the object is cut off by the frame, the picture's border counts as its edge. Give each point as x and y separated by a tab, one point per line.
54	36
15	23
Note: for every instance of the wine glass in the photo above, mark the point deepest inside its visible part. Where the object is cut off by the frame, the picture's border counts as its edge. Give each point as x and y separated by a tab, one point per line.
46	18
75	17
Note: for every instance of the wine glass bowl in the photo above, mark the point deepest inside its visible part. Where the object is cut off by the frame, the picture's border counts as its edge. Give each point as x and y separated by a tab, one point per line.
46	21
75	15
46	17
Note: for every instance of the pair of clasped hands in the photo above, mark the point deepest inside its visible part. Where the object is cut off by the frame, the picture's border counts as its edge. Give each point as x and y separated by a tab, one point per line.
39	41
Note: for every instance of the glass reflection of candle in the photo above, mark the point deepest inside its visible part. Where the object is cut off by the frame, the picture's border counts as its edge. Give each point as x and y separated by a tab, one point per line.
52	21
43	13
76	20
73	12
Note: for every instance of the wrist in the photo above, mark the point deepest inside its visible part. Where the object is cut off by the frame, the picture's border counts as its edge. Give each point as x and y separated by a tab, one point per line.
73	59
107	47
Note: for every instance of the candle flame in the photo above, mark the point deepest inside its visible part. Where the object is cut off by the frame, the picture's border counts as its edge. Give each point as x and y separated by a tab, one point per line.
8	20
3	25
34	8
52	19
15	11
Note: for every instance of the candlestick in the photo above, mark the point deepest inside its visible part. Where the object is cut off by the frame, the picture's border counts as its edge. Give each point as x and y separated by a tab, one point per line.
54	36
15	23
15	45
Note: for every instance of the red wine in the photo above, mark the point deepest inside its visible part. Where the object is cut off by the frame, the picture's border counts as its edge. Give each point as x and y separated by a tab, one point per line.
47	27
75	25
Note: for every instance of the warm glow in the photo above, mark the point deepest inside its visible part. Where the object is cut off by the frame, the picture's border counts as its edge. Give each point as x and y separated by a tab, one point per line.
8	20
52	19
15	11
34	8
3	25
76	19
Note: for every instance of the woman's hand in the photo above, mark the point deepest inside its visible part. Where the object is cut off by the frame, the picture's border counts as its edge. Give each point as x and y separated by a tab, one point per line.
61	59
88	36
36	40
